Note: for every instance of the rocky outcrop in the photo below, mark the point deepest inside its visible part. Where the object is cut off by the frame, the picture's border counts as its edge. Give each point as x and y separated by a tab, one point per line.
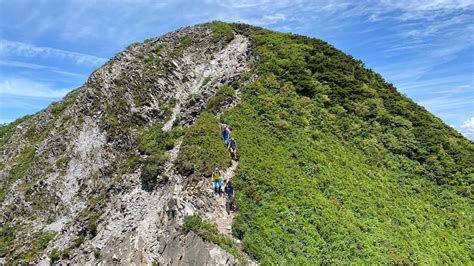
80	186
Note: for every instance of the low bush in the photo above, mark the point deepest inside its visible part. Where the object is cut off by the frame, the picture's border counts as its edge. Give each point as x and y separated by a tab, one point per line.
223	94
221	31
154	142
210	232
202	150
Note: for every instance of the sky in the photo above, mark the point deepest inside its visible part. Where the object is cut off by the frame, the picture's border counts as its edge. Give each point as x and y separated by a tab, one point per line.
425	47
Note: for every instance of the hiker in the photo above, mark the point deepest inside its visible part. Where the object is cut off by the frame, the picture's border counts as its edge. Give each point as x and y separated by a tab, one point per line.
229	192
232	146
225	134
217	181
172	208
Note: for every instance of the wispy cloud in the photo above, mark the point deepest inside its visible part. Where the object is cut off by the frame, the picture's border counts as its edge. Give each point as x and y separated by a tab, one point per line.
408	10
28	88
11	48
423	47
467	128
19	64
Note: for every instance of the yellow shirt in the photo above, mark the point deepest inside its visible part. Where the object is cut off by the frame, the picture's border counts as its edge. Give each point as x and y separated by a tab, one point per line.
216	176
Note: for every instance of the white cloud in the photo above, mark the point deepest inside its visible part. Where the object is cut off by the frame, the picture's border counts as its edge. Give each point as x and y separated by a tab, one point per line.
270	19
28	88
467	128
427	5
428	10
19	64
11	48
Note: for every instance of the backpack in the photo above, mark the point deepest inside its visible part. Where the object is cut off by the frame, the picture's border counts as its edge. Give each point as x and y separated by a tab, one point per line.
232	143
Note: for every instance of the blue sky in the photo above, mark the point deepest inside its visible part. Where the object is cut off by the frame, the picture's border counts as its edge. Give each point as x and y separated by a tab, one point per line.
425	48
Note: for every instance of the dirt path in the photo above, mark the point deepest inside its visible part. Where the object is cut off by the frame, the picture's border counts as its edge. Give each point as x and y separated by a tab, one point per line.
220	216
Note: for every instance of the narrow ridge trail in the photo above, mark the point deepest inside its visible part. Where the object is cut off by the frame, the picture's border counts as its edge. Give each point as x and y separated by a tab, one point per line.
219	216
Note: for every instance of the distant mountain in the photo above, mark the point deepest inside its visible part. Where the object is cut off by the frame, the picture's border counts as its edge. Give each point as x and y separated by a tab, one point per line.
334	164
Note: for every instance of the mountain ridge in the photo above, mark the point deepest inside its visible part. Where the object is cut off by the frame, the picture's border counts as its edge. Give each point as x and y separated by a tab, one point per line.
309	120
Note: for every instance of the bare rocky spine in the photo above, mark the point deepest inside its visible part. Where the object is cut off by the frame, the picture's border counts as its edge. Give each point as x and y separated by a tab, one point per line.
87	142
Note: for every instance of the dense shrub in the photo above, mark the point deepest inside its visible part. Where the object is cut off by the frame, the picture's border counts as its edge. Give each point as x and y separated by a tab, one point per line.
224	93
202	150
152	167
221	32
155	142
337	167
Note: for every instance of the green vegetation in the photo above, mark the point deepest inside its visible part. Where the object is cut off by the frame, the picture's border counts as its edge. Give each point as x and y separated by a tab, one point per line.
97	255
36	135
22	164
210	232
7	130
91	225
129	165
206	80
222	94
221	31
153	58
66	253
155	142
184	43
69	99
55	255
25	160
30	248
337	167
159	57
202	150
152	167
6	239
61	162
167	108
78	241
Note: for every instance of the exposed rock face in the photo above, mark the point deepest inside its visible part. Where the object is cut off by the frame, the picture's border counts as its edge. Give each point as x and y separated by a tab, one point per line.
80	149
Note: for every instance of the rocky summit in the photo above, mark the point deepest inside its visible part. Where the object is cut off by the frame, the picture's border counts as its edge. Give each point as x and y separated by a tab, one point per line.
333	164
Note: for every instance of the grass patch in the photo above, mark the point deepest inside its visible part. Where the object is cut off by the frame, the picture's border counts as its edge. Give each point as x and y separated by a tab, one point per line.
19	169
153	59
184	43
58	107
210	232
78	241
55	255
29	249
222	94
7	130
62	162
206	80
202	150
154	142
7	237
221	31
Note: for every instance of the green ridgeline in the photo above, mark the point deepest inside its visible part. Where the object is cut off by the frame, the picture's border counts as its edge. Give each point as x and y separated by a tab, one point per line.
336	166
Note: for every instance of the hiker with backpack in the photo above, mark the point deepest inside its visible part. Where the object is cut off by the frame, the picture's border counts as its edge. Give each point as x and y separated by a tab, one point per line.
229	192
232	147
217	181
225	134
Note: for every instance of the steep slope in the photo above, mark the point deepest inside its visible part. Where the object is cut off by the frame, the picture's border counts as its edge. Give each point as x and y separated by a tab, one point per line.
335	165
91	171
